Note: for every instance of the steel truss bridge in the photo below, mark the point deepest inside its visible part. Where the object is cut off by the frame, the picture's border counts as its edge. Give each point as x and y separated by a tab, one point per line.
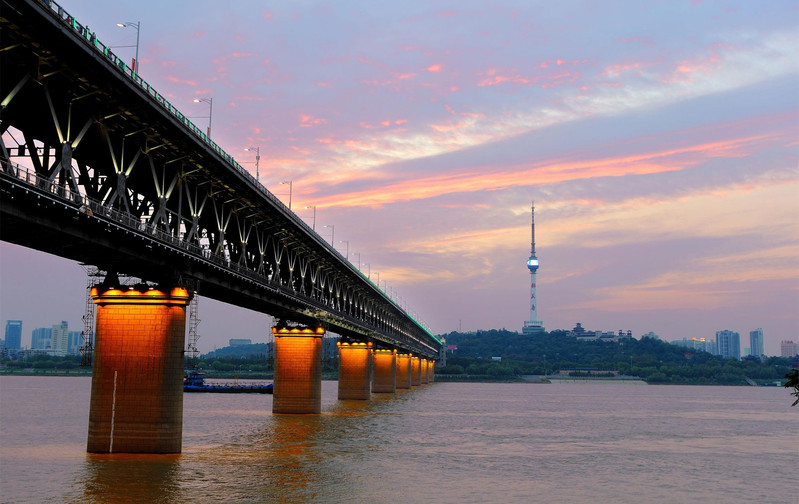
121	179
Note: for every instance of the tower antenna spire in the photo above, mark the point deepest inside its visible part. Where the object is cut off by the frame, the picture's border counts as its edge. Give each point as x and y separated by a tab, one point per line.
532	233
533	326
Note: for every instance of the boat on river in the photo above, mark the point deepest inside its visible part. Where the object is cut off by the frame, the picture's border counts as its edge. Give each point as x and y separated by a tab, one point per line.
194	381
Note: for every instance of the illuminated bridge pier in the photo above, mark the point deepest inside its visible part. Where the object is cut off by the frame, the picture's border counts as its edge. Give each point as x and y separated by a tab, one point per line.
355	370
416	371
404	371
137	380
384	371
298	370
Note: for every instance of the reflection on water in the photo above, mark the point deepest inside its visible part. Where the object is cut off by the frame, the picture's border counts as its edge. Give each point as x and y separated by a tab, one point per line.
126	478
447	442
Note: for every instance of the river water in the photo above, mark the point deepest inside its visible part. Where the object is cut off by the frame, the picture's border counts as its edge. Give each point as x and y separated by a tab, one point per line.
442	443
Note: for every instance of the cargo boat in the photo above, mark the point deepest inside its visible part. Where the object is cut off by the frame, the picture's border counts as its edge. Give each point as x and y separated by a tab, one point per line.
194	381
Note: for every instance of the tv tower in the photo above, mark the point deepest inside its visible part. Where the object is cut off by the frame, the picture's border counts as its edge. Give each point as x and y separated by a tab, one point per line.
533	326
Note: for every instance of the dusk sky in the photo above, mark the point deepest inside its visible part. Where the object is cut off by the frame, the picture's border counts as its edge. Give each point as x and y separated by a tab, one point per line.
659	141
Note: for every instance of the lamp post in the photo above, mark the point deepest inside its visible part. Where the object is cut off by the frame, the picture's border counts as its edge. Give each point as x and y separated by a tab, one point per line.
289	182
257	159
313	226
332	233
368	271
359	259
348	247
136	25
210	102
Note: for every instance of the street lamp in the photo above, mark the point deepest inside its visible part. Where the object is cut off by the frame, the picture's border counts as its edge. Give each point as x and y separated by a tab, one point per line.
359	259
136	25
210	102
289	182
332	233
257	158
313	227
368	271
348	247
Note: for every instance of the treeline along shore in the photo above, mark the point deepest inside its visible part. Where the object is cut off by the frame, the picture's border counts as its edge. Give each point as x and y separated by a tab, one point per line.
509	355
498	355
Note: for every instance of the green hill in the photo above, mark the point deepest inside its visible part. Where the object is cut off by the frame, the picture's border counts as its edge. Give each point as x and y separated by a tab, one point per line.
651	359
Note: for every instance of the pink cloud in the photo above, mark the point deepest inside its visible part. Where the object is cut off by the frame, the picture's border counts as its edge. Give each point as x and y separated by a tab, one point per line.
178	80
307	121
692	152
434	68
448	127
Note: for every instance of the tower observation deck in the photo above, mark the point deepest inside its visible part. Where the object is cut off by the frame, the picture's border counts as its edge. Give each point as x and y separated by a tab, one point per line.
533	325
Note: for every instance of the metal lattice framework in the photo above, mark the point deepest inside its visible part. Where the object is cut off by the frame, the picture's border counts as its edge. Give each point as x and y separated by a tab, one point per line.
115	176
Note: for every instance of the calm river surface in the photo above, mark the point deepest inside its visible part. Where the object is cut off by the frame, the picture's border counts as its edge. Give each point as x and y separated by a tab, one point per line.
442	443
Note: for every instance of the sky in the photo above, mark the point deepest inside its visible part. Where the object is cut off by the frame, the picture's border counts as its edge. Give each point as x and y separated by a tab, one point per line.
658	139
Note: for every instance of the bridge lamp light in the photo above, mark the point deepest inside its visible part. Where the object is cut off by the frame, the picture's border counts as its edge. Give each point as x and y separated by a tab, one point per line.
210	102
359	259
332	233
313	227
257	159
348	247
290	183
136	25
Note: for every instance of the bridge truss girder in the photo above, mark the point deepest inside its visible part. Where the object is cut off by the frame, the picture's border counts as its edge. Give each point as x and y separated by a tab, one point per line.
163	205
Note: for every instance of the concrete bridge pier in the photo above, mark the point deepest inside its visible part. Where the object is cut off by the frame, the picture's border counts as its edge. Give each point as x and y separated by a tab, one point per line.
403	371
425	363
431	371
137	377
416	371
384	378
355	371
298	370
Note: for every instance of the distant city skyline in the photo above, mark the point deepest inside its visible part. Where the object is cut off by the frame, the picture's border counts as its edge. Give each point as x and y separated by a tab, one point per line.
662	161
697	343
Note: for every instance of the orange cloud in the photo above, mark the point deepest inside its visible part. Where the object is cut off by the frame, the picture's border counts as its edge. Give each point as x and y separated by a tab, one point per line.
434	68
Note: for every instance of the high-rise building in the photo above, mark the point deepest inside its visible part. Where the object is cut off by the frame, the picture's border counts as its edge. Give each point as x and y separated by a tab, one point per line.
41	338
75	341
13	339
533	326
788	348
60	340
756	342
728	344
696	344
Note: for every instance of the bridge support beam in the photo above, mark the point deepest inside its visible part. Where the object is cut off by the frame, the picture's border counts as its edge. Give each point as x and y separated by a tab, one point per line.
355	371
430	371
137	377
298	370
384	378
416	371
424	372
403	371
